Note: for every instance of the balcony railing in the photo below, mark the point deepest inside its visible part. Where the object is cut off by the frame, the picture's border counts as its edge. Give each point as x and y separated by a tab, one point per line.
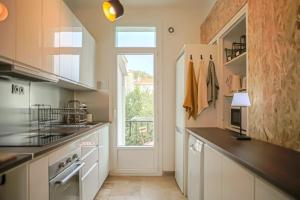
139	132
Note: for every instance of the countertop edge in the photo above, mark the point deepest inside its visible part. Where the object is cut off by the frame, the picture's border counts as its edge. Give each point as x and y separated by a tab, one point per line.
11	164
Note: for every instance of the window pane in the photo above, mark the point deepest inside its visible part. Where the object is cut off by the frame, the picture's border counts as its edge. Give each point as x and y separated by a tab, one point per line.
136	100
135	36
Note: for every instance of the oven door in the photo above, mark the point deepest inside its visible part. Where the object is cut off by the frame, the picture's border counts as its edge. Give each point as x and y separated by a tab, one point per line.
65	186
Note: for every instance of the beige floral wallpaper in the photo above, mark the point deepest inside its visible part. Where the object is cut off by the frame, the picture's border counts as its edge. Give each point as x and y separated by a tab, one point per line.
274	67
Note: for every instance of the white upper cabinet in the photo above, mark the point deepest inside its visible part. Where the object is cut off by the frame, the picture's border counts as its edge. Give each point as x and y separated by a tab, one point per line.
70	43
50	25
29	32
87	62
7	30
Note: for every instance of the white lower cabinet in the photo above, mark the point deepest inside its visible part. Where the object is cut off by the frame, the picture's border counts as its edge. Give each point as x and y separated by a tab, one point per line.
89	183
225	179
237	182
38	180
103	154
212	174
15	185
265	191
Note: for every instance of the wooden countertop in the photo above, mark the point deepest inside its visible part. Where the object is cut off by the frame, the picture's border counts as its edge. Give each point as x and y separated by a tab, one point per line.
278	165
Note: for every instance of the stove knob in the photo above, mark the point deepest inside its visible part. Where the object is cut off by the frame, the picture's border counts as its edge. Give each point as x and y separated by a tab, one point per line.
75	156
68	160
61	165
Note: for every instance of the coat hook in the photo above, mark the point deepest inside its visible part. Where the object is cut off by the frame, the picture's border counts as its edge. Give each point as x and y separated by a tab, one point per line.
210	56
201	57
191	57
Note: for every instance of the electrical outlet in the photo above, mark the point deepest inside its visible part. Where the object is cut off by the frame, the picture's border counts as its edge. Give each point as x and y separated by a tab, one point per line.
21	90
14	89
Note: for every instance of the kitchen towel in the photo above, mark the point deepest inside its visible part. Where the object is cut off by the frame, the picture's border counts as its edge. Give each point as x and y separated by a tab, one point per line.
212	84
202	88
190	101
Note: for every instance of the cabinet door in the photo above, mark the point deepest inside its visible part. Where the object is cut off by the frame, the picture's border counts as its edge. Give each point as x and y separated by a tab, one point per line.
70	42
212	174
238	183
264	191
7	30
15	186
38	180
179	159
87	63
29	32
51	21
106	151
89	187
103	154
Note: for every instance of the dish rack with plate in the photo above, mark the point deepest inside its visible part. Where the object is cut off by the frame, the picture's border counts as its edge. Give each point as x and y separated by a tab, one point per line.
46	117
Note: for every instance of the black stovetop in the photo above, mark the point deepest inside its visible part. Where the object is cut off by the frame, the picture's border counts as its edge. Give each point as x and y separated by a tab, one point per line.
35	138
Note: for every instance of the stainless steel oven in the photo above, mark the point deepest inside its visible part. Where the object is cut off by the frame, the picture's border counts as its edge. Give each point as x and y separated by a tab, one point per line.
64	178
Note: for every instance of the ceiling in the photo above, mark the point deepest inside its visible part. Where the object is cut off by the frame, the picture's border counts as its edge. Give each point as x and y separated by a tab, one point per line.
146	3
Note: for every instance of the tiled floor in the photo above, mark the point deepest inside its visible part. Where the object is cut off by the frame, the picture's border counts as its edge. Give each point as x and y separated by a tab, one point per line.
140	188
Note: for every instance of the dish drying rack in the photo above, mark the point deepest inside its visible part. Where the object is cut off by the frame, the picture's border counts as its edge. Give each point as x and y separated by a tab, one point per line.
47	117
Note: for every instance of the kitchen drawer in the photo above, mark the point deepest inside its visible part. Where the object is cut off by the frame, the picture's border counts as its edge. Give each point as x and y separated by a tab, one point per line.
90	159
89	184
88	143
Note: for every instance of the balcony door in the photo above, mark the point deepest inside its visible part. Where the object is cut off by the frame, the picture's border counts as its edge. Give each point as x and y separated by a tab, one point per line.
136	150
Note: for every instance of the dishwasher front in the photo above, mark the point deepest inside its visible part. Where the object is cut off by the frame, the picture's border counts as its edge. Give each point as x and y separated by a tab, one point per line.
195	169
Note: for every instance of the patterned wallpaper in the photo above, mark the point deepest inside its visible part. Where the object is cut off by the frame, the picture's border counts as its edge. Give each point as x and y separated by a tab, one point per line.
274	67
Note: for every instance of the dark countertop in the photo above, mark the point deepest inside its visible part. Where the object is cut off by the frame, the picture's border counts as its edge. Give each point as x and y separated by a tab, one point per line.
278	165
12	163
27	153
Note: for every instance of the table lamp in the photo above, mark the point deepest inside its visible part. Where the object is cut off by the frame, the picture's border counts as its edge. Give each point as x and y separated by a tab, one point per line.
241	99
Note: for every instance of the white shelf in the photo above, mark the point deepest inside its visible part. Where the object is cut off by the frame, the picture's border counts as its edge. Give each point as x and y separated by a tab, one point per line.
239	61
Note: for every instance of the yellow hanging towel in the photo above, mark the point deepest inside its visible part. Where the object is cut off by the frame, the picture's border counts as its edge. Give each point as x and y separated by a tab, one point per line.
191	96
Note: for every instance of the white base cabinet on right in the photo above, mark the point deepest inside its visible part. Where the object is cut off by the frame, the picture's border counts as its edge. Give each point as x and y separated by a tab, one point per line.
265	191
237	182
225	179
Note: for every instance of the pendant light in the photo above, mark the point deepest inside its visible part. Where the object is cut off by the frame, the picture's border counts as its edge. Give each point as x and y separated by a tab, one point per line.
112	9
3	12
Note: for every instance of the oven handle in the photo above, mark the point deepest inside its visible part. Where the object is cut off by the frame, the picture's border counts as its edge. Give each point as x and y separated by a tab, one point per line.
66	178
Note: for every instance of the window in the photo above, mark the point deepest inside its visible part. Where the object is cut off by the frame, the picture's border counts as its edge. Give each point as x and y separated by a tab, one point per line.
135	36
135	87
136	100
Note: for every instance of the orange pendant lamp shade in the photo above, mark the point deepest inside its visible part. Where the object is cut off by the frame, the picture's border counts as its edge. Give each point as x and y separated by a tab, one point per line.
3	12
112	9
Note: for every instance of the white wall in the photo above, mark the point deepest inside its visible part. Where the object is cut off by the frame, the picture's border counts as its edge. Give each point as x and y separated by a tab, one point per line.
187	30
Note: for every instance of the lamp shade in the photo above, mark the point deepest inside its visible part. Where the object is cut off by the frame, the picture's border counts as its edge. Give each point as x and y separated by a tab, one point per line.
241	99
112	9
3	12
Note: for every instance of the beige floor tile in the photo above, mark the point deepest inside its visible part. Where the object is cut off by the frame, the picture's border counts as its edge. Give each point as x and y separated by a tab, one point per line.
140	188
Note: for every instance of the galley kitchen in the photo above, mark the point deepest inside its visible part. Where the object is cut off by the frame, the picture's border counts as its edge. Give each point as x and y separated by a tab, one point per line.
149	99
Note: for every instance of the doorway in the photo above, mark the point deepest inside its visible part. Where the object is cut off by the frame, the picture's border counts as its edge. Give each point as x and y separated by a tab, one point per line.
137	149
